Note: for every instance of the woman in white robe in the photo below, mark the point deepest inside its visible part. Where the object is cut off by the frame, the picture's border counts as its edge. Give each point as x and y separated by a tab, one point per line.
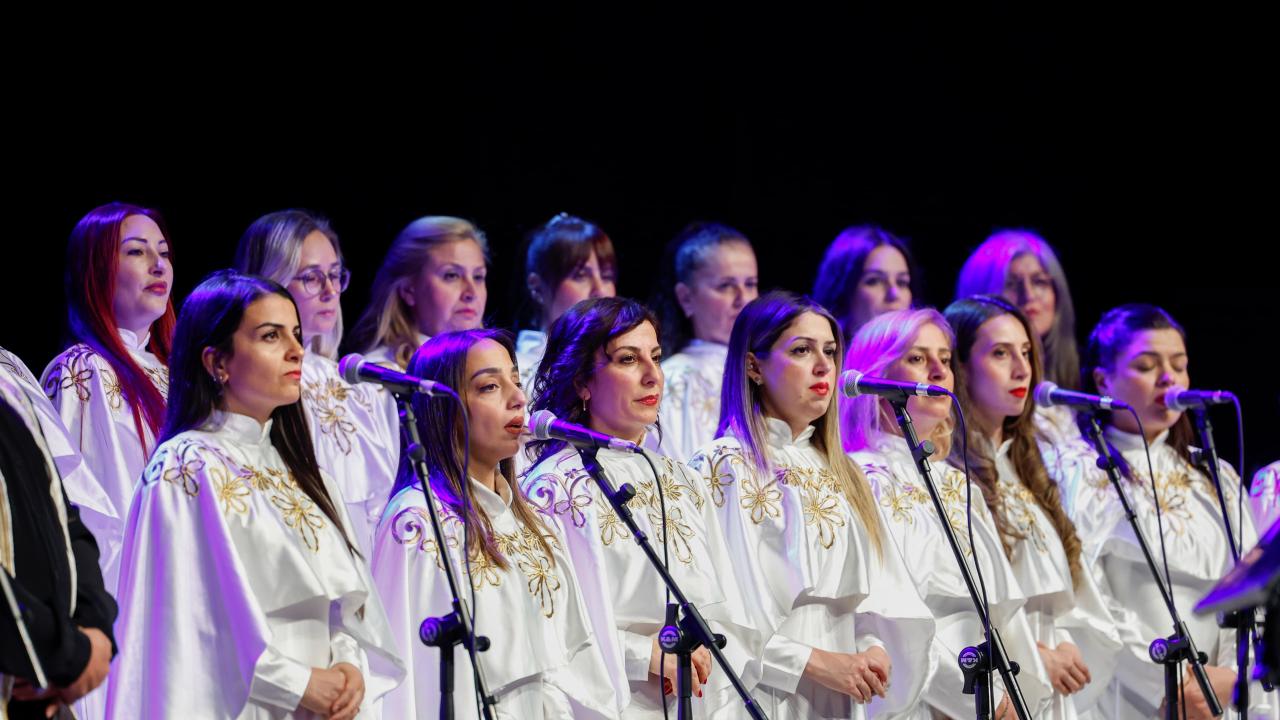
847	634
1136	354
998	364
355	428
714	276
543	661
568	260
66	455
242	592
1024	269
432	280
915	346
608	377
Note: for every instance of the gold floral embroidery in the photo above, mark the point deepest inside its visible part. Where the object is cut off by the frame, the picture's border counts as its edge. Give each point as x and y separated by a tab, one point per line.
823	511
612	528
1173	489
111	384
541	581
334	423
762	501
231	490
330	399
412	526
299	513
71	372
159	377
680	531
1018	502
718	477
899	503
560	495
184	473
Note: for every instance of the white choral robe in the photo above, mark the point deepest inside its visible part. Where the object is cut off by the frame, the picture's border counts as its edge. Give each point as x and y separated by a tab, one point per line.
1194	541
543	661
917	530
1057	610
1264	497
530	345
356	433
625	595
1055	424
385	355
690	409
235	585
815	579
86	393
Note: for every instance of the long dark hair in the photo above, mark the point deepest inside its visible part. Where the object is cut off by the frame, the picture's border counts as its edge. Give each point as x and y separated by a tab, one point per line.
570	360
1111	335
558	247
92	262
966	317
686	254
209	319
443	358
841	271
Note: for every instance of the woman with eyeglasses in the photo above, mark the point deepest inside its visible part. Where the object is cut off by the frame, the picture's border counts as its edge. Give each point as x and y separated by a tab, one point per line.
355	428
1021	267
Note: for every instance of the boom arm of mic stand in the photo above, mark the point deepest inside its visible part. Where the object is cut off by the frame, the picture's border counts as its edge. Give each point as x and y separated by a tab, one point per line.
998	657
693	622
1193	655
461	612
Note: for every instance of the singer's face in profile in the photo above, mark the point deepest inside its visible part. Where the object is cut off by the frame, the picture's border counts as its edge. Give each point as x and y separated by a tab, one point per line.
144	275
588	280
1029	286
318	310
1152	362
495	403
264	369
449	292
798	376
718	290
885	285
998	372
623	394
928	361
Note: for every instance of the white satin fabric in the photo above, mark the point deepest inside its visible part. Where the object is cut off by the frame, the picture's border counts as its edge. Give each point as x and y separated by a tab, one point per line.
690	409
235	586
814	578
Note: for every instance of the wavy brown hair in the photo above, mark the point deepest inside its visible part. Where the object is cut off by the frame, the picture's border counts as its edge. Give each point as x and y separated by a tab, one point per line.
966	317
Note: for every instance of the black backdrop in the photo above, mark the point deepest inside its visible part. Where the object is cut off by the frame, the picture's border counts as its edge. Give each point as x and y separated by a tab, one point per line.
1134	150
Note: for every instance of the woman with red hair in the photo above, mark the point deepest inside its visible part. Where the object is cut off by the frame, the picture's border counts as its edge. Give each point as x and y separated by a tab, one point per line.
109	387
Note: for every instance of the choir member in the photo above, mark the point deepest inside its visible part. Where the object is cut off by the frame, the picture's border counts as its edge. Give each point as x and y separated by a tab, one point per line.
713	276
847	635
242	592
431	281
543	661
355	427
1136	354
917	346
603	371
997	358
1021	267
866	271
569	259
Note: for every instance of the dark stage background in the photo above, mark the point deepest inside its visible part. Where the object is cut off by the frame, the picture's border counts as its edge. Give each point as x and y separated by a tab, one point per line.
1131	150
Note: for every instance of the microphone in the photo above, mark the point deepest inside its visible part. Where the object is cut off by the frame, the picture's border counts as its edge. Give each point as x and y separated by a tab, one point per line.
546	426
1049	394
854	383
1183	399
355	369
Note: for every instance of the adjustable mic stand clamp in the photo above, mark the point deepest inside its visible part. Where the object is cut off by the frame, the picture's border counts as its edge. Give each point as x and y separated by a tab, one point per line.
455	627
692	630
1180	644
975	662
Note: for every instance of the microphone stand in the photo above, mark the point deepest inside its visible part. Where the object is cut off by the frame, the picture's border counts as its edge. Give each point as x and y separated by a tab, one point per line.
679	637
1179	646
978	661
457	626
1243	619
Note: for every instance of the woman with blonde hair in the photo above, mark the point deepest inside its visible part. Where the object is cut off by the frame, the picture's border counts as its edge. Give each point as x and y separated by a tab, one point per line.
916	346
846	634
355	428
431	281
